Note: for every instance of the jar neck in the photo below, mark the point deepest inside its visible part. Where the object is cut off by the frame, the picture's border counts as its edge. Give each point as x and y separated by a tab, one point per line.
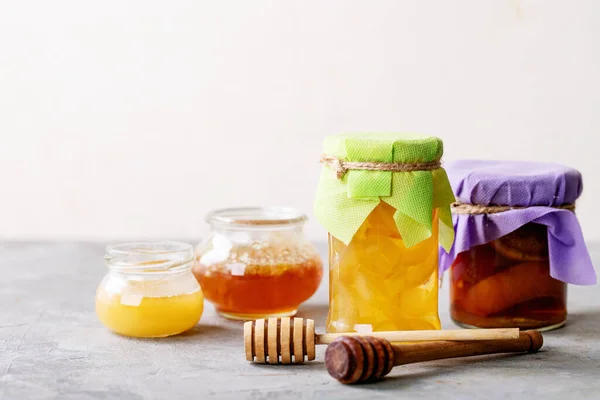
150	258
256	218
232	229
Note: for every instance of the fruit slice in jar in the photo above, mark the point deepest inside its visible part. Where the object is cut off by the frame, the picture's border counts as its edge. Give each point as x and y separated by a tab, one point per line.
418	307
476	264
343	311
514	285
528	243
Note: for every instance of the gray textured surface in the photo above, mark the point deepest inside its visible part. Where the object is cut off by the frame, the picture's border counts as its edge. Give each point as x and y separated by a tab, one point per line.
52	346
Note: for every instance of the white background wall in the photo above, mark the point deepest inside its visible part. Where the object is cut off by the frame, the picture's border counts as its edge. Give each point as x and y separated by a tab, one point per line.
123	119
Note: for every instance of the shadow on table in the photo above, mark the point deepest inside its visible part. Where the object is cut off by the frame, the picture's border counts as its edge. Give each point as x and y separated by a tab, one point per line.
316	365
192	334
402	379
404	376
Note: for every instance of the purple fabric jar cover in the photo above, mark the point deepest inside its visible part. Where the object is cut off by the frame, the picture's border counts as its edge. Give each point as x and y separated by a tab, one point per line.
537	186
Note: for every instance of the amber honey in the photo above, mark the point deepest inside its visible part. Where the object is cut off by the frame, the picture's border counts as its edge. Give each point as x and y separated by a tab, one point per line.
273	290
507	283
257	263
378	284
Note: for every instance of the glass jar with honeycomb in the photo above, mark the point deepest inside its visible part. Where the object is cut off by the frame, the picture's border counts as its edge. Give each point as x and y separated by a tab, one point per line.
518	244
257	263
384	199
150	290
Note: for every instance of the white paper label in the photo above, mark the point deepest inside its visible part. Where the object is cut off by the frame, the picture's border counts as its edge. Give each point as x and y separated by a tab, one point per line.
131	299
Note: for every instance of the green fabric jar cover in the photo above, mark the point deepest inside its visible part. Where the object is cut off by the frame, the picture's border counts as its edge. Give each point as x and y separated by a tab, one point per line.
352	185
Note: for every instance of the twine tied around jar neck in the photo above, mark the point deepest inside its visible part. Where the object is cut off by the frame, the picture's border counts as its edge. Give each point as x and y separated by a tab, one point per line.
465	208
341	167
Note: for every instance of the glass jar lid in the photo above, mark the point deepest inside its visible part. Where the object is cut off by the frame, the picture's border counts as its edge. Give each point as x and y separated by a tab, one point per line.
149	257
246	217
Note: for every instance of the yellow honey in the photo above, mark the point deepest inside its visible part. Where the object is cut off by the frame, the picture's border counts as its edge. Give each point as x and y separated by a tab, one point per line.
149	290
377	283
141	316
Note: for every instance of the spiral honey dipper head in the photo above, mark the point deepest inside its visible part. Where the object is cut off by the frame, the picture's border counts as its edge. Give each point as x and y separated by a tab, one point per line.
359	359
279	340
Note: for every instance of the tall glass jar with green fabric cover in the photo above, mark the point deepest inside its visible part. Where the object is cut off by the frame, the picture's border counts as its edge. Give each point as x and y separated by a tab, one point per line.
385	201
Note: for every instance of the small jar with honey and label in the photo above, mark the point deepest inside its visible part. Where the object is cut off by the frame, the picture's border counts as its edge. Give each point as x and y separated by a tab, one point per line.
149	290
518	244
257	263
385	201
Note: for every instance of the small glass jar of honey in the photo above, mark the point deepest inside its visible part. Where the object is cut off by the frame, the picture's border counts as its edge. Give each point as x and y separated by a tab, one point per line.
149	290
518	244
257	263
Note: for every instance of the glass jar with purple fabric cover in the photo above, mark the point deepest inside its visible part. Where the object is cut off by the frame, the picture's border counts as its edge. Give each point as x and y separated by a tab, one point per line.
518	244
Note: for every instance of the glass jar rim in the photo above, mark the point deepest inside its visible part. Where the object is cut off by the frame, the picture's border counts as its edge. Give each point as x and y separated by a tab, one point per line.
149	256
256	216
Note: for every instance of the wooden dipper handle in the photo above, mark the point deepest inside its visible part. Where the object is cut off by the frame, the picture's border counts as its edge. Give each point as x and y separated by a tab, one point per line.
428	335
291	340
360	359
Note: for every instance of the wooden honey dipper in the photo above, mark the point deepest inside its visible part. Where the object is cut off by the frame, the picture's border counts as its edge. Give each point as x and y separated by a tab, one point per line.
367	358
265	341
